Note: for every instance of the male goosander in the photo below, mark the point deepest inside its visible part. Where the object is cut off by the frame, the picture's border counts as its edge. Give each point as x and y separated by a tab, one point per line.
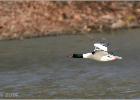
100	54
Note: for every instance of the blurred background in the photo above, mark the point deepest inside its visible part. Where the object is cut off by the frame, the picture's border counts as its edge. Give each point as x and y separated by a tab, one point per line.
26	19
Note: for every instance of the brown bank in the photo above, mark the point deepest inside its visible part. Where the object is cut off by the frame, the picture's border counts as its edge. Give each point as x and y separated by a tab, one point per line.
25	19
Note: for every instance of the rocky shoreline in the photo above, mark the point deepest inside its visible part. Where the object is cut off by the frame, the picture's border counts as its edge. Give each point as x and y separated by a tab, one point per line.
26	19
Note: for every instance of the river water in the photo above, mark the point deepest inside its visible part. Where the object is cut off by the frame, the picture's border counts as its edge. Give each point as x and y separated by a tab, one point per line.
40	68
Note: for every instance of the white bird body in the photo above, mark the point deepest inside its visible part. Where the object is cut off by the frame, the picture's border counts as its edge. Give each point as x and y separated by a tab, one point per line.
100	54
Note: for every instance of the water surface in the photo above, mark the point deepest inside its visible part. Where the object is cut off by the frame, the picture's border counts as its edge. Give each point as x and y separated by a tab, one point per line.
40	68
